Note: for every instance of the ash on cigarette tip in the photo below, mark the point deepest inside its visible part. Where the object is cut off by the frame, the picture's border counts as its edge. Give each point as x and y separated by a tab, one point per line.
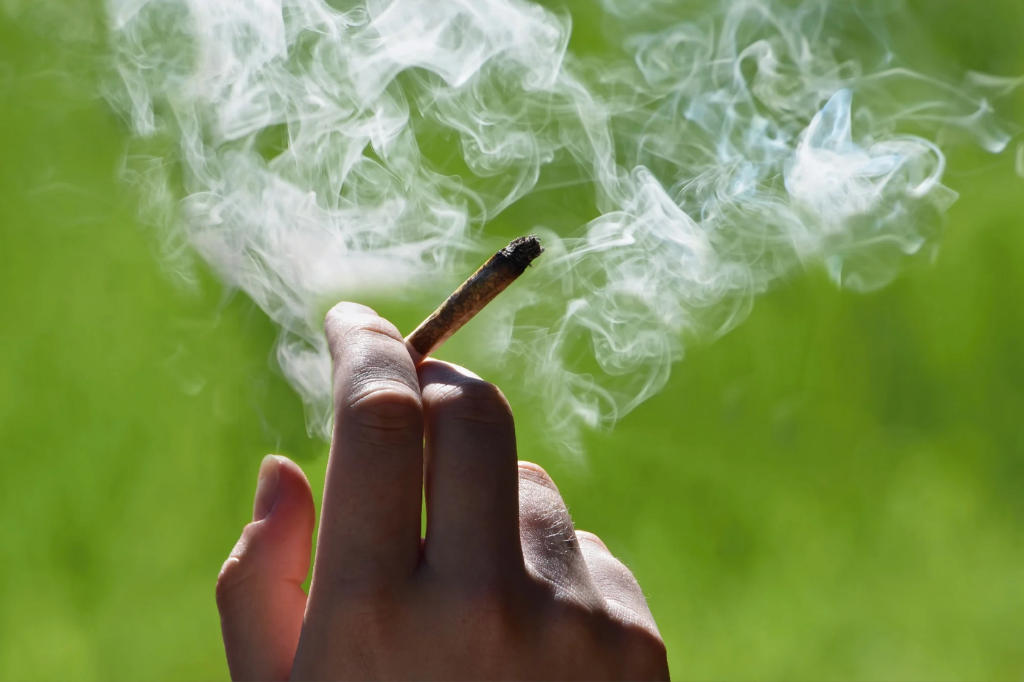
523	251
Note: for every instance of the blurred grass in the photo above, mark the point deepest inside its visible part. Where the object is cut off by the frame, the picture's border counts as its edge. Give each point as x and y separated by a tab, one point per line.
833	491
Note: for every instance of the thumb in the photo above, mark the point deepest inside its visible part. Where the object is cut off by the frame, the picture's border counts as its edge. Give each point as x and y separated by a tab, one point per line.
259	589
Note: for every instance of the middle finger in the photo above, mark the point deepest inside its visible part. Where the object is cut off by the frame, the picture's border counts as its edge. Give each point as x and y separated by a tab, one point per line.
471	479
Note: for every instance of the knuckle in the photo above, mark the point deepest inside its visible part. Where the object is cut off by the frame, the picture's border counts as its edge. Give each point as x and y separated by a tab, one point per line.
237	572
554	529
371	326
542	509
550	546
385	412
231	576
474	401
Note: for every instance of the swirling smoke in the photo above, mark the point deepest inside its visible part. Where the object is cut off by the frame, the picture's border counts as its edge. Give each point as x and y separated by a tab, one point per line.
725	148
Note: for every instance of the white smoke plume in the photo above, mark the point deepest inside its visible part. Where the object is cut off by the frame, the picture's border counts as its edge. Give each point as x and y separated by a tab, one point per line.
726	147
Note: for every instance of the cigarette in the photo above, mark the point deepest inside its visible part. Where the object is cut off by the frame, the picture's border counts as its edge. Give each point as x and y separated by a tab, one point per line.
481	288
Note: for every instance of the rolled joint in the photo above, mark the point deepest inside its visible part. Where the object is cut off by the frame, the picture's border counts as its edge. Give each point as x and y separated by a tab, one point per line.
483	286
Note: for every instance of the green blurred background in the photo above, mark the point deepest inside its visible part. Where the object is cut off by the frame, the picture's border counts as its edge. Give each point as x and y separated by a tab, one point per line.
833	491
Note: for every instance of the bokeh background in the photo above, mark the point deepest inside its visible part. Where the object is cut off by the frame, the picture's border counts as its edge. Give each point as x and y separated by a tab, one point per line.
833	491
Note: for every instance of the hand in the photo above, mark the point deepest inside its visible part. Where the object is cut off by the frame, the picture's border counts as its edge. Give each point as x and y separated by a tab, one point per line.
501	587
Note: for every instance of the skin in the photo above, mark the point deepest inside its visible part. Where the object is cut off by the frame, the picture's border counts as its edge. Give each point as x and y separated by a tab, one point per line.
502	586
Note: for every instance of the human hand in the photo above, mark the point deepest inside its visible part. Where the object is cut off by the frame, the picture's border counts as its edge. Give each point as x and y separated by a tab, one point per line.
501	587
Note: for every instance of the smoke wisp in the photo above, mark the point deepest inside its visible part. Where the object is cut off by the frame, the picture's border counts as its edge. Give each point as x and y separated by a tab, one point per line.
726	148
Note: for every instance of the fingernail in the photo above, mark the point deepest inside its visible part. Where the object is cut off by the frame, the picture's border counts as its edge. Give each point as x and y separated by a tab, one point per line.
266	488
349	308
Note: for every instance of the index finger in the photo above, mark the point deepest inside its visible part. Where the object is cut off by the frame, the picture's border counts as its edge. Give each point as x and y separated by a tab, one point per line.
370	519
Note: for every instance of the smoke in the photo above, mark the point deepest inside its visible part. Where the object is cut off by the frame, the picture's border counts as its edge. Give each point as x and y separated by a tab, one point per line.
725	147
